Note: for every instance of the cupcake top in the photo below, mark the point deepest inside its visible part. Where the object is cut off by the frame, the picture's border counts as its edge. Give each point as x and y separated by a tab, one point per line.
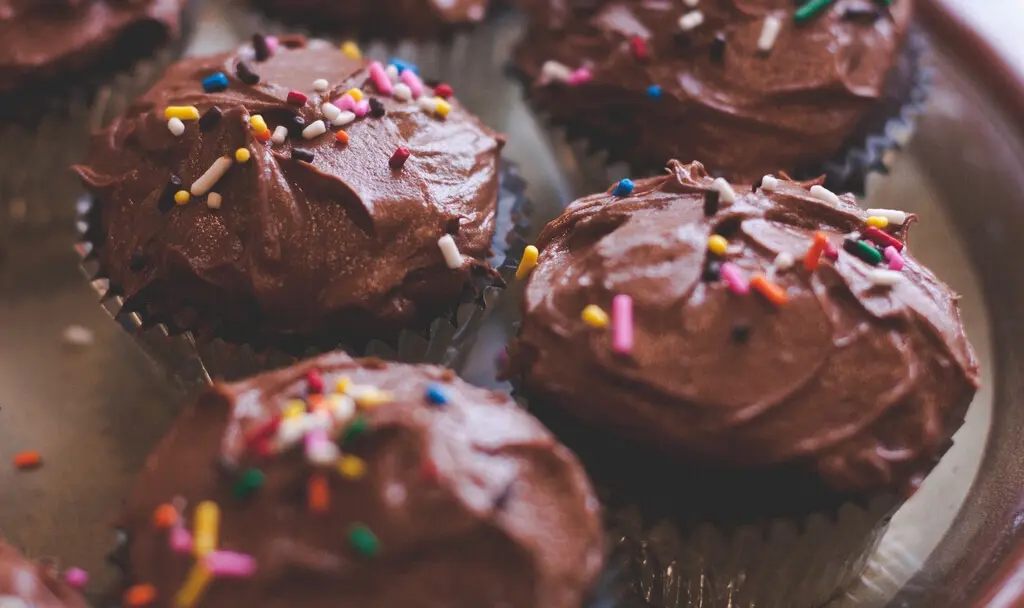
45	39
387	19
748	86
779	326
363	483
289	191
26	584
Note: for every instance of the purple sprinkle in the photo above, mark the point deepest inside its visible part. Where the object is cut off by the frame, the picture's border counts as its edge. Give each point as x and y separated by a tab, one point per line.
181	540
76	577
229	564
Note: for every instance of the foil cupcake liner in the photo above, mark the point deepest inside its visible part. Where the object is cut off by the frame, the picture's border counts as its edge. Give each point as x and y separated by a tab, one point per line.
858	169
192	362
36	186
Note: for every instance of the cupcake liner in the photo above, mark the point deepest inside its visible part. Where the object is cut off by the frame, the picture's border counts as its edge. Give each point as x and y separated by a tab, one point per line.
194	362
859	168
36	187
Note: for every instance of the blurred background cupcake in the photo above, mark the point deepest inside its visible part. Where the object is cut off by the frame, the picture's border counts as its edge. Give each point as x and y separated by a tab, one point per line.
62	62
27	584
757	376
409	487
288	198
749	87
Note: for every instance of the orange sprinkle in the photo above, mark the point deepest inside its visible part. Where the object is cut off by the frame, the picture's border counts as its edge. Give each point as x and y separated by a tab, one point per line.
318	494
316	402
165	516
814	253
263	136
775	294
342	137
140	595
27	460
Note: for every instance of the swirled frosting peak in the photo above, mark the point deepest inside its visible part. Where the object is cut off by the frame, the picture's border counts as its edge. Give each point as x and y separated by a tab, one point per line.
755	328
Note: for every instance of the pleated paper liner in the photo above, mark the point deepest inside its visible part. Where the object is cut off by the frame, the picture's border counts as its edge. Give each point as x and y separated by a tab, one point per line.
193	361
36	186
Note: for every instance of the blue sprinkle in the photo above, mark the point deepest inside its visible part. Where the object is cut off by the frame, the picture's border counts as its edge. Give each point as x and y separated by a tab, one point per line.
623	188
435	395
215	82
402	66
654	91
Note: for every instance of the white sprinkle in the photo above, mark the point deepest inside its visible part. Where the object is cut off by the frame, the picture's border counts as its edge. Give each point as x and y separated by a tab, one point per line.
884	278
290	431
450	251
691	3
823	193
322	452
343	118
691	20
402	92
209	179
78	336
769	32
314	129
553	71
280	134
894	216
330	111
392	73
213	200
176	127
784	261
725	192
341	407
769	183
321	84
428	104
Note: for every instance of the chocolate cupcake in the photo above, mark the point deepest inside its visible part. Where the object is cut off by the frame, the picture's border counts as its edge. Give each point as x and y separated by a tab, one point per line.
294	199
749	87
362	483
54	57
27	584
758	375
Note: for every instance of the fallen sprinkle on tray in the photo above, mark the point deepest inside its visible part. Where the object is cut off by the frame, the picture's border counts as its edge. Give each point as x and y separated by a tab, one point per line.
27	460
78	336
140	595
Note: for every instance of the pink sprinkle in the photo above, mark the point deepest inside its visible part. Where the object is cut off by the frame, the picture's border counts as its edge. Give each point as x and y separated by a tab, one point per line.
273	43
734	278
362	108
76	577
230	564
622	324
580	76
896	260
347	102
181	540
413	81
380	78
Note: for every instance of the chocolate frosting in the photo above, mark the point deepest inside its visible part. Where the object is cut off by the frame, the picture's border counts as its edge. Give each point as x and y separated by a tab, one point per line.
26	584
858	383
388	19
746	113
342	246
472	501
45	39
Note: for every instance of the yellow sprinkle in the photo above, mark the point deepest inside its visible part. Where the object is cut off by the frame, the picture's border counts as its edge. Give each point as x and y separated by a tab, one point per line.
351	49
877	221
242	155
258	124
344	383
192	589
527	263
593	316
352	467
182	197
293	409
443	107
207	524
182	112
373	398
717	244
356	94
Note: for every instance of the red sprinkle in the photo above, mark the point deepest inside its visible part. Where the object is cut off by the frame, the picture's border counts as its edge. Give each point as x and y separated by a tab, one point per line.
314	381
297	98
638	46
882	238
399	157
443	91
341	137
255	438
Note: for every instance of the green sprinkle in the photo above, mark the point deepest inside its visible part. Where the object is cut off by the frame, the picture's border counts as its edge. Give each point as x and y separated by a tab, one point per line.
811	9
363	540
864	251
357	428
248	483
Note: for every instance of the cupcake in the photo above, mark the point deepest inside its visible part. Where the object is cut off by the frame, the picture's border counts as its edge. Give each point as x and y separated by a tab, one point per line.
749	87
27	584
757	375
53	57
294	199
362	483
